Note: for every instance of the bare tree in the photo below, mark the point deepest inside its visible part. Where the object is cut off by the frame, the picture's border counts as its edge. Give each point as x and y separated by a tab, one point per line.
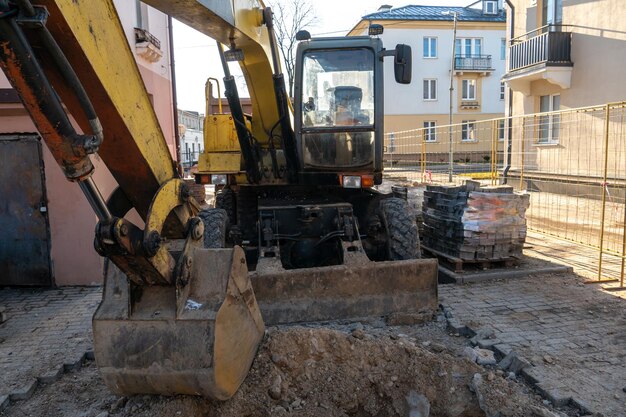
291	16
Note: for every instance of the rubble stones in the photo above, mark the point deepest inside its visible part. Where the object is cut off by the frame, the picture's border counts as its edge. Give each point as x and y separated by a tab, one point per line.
419	406
275	390
513	363
480	356
483	334
485	357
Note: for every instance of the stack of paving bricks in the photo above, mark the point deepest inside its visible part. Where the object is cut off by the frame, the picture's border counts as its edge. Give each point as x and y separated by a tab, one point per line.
475	223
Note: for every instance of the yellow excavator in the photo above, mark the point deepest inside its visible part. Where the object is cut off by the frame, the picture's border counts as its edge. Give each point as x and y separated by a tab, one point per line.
299	234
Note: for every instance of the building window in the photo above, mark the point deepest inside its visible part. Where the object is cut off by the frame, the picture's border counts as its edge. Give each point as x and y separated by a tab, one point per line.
468	88
549	124
552	12
490	7
501	130
468	131
467	47
430	89
141	11
430	134
502	90
502	48
430	47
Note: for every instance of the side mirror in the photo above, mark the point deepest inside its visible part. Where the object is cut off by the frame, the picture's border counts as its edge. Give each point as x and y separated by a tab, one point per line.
402	64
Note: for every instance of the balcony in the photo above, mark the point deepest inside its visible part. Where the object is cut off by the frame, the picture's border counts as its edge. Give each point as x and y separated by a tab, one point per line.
472	63
544	53
147	45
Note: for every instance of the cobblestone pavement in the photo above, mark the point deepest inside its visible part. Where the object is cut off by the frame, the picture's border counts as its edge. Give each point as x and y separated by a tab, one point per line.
574	334
45	330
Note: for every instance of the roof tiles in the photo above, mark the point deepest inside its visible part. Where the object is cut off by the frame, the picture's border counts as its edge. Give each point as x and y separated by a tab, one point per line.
430	13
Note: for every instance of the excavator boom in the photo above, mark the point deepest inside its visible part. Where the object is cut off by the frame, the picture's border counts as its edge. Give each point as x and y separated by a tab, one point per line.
175	317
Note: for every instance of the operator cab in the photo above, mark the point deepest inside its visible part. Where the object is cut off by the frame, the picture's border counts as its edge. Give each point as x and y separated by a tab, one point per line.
339	106
338	116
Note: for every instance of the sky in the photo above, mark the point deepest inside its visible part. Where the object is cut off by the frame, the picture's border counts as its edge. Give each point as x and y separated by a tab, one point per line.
196	56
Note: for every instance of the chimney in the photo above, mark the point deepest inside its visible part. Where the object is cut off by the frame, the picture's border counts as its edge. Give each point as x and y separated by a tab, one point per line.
385	8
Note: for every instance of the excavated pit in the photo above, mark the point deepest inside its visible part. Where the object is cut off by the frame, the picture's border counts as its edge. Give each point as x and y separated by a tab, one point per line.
322	370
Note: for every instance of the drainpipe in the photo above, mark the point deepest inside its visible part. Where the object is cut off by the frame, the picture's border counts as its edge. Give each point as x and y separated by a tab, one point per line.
170	36
509	141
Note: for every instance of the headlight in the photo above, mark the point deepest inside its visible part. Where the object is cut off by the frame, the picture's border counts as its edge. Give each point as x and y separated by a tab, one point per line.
351	181
218	179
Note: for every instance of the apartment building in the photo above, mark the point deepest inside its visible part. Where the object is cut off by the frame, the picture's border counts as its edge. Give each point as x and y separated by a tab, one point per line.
47	224
564	54
191	131
478	60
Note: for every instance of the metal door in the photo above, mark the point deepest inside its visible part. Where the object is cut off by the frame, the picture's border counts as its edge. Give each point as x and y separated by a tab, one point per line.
24	227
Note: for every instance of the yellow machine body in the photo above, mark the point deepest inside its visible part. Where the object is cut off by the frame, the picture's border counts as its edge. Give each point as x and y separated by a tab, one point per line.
222	154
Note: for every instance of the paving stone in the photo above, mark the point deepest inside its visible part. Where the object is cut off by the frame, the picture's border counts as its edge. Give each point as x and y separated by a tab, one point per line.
482	334
4	402
559	397
502	349
518	364
485	357
46	329
51	376
74	364
583	406
548	315
456	327
488	343
470	354
24	392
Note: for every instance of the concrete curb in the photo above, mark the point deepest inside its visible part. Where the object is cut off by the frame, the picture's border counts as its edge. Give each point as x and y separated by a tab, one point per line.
508	273
25	392
557	396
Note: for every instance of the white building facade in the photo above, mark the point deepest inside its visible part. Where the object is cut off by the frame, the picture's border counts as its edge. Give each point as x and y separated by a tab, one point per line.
479	64
191	131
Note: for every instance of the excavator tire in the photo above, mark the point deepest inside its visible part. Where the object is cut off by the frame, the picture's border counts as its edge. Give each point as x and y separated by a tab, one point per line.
216	224
402	234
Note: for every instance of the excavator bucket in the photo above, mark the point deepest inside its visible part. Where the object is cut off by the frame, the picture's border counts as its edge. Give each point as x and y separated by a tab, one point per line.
162	340
357	288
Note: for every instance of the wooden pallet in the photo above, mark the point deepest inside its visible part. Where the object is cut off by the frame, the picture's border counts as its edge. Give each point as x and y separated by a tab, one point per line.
459	265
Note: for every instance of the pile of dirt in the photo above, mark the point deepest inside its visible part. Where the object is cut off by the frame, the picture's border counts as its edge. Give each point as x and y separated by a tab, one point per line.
317	371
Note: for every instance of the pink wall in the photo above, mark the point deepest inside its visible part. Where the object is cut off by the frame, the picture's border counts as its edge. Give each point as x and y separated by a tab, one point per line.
72	221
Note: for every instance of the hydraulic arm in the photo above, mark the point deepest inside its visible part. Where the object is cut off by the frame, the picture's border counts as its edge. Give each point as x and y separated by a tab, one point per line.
175	317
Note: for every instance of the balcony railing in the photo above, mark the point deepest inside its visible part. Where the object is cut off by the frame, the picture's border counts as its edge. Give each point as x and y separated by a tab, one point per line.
472	62
548	45
142	35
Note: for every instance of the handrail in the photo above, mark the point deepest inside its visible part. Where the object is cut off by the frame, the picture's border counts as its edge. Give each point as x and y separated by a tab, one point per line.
540	30
456	56
551	46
